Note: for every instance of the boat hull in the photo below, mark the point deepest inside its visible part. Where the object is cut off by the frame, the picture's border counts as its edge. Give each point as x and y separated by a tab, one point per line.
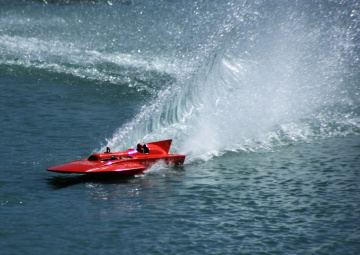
126	163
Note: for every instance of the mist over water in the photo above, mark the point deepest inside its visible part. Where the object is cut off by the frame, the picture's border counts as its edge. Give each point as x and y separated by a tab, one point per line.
217	76
278	73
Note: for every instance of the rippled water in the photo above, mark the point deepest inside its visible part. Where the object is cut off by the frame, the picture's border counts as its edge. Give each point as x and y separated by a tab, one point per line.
262	97
301	199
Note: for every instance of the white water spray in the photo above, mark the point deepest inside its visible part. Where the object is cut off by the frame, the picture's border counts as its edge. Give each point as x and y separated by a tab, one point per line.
261	88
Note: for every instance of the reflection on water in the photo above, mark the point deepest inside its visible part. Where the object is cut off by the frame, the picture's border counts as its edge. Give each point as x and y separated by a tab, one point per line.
112	195
121	190
59	182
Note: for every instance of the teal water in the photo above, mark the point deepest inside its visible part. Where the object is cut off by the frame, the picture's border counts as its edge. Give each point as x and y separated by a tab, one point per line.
262	97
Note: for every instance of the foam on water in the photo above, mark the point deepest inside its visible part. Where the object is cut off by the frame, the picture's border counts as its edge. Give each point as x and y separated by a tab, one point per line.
67	58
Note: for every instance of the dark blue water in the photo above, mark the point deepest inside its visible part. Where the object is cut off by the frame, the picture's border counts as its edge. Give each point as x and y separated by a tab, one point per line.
262	97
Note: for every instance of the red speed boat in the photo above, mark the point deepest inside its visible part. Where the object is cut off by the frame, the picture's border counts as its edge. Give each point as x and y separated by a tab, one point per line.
126	163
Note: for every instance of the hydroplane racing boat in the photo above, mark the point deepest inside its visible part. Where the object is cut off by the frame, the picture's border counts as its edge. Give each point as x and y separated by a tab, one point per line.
126	163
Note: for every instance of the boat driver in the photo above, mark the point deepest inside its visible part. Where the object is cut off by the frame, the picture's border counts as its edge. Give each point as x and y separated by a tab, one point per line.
139	148
145	148
142	148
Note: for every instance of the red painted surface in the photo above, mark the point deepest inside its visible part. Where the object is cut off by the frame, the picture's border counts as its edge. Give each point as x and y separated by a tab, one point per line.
125	163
